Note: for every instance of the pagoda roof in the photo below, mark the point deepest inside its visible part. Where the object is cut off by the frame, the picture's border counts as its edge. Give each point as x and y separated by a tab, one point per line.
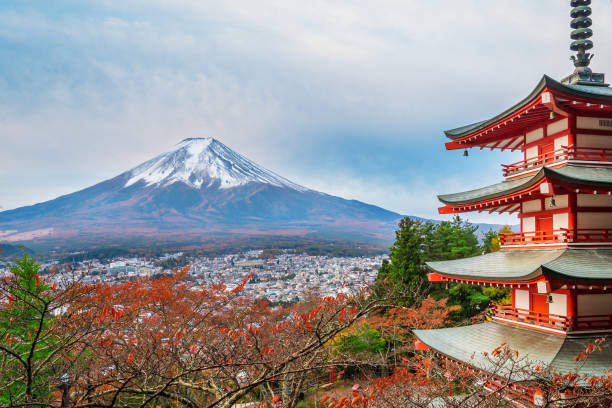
530	111
527	265
469	343
572	174
587	91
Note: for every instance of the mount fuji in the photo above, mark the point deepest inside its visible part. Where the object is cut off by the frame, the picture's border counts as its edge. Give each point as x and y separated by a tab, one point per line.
197	192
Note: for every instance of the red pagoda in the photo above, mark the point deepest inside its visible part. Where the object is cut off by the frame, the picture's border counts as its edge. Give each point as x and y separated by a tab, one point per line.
559	266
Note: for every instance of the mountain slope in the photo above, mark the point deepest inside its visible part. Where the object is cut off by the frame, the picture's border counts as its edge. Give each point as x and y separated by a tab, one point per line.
197	190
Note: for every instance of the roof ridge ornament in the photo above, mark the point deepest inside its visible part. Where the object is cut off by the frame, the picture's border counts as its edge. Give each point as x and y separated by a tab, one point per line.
581	43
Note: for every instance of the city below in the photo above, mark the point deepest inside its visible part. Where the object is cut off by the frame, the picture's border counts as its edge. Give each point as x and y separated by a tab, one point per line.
278	275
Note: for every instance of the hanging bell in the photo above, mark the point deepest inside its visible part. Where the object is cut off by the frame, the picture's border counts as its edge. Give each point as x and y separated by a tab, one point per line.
465	153
553	115
553	203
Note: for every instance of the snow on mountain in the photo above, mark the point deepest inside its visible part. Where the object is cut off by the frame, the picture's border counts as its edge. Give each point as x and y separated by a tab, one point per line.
204	162
198	193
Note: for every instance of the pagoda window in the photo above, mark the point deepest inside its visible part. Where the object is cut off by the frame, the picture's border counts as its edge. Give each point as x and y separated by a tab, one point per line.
594	123
558	126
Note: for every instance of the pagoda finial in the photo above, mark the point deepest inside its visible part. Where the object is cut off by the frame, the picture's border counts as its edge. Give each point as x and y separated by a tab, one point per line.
581	33
581	43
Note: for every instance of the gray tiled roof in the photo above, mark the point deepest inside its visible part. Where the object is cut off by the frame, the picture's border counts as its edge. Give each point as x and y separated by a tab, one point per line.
598	92
468	343
520	265
592	90
591	175
582	264
503	265
479	194
587	175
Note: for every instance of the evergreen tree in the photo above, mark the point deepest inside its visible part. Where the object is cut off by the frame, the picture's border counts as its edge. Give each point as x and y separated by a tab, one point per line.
418	242
22	320
405	271
454	239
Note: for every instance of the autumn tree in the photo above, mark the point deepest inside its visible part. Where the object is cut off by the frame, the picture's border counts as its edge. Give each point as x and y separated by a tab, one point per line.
491	242
162	340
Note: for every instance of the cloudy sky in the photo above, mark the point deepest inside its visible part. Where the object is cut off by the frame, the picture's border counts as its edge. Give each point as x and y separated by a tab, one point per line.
349	97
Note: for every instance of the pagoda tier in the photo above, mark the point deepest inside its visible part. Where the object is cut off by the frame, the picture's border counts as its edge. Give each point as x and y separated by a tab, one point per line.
558	207
468	345
549	108
558	291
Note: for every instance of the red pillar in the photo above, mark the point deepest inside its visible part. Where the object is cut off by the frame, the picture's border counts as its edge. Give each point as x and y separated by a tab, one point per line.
573	208
571	307
571	138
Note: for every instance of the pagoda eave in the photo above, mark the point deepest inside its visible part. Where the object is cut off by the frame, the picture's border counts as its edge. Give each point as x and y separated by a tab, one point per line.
506	197
470	345
440	278
506	131
565	266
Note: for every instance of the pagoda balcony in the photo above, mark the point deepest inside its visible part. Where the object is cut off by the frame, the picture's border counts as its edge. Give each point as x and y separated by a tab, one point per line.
564	154
552	321
560	236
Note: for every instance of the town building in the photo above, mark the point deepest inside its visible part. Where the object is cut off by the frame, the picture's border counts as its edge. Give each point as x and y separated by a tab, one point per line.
559	266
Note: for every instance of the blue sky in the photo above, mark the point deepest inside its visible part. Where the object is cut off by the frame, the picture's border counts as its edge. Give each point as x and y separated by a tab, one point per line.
346	97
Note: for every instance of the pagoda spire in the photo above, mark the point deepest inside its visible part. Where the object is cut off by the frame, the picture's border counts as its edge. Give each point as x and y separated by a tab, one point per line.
581	23
581	43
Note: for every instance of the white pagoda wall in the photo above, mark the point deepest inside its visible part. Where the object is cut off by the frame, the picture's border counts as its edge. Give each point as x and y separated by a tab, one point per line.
593	305
594	200
595	141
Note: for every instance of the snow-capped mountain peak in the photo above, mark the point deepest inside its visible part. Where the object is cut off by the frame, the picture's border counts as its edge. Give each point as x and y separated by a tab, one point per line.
204	162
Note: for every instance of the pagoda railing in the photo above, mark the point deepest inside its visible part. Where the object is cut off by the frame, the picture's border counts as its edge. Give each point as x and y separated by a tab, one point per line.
559	236
553	321
562	154
538	237
550	321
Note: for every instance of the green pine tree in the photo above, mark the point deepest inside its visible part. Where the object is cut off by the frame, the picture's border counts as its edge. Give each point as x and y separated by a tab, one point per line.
24	319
